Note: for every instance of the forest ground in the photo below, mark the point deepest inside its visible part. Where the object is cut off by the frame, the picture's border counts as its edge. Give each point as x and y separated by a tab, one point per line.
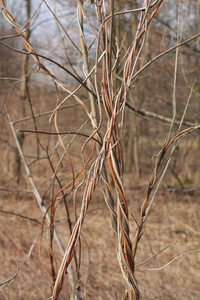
174	219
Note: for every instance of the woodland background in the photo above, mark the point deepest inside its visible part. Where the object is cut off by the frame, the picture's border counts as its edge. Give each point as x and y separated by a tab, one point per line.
158	98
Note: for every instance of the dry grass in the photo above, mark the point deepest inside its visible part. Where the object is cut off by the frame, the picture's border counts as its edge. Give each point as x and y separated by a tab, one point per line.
174	218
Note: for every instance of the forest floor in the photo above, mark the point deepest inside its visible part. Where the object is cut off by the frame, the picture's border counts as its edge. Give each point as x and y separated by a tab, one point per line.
174	220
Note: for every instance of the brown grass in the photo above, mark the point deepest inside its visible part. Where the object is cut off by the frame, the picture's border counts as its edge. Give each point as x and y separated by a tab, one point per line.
175	217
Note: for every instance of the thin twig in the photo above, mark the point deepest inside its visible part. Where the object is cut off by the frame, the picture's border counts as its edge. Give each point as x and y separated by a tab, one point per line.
19	215
170	262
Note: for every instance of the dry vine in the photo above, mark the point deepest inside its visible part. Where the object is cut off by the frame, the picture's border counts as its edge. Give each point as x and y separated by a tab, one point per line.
107	105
